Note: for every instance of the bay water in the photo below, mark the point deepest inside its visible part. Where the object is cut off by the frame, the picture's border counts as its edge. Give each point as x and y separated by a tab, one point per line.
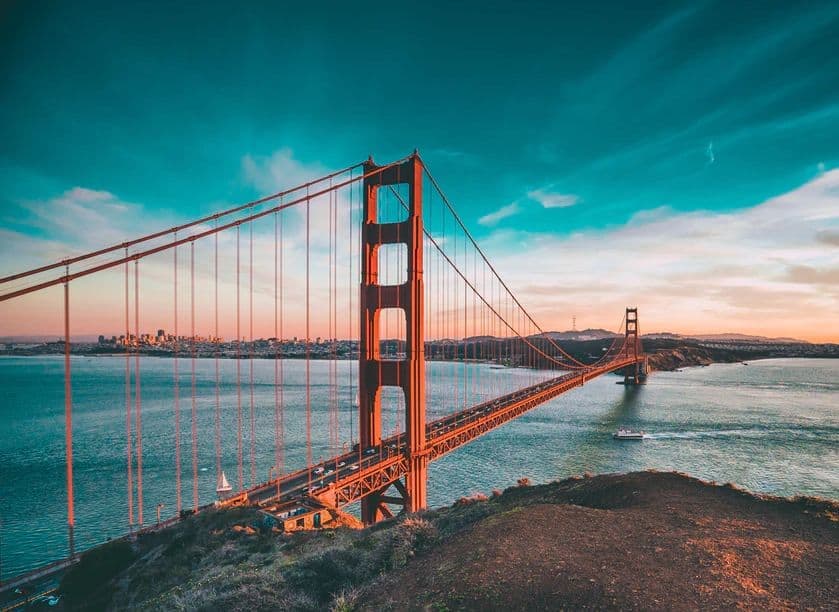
771	426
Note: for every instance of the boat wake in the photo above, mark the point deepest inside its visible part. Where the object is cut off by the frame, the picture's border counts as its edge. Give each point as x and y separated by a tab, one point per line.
733	434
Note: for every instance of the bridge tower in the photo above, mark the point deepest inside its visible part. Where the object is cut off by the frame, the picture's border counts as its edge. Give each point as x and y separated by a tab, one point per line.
639	373
408	373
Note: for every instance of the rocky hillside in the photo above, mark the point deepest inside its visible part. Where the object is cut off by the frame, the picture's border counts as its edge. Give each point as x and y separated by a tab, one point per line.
635	541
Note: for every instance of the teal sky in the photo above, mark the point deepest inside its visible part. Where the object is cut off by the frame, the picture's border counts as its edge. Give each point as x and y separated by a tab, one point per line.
566	118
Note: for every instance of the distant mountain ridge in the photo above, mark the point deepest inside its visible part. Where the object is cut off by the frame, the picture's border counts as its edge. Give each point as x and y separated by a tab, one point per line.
572	335
586	334
724	337
601	334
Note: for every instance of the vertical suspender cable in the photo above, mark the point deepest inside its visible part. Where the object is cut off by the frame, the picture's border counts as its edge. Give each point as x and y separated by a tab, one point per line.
335	323
334	316
68	420
216	340
329	332
400	314
129	458
350	287
382	334
138	412
467	379
330	431
359	241
280	465
239	468
308	348
192	332
276	358
251	355
177	397
277	344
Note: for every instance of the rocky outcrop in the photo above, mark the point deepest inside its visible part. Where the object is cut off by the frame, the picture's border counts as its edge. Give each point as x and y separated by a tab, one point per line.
668	360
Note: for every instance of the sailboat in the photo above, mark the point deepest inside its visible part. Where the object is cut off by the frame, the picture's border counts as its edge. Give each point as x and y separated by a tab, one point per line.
223	487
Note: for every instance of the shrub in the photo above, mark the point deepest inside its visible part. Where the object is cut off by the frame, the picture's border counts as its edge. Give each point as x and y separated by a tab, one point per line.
346	601
86	584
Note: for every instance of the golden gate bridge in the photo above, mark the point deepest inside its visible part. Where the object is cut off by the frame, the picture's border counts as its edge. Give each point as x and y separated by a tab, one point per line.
374	254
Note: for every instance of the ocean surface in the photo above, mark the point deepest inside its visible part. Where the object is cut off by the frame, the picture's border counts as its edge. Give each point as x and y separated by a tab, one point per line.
770	426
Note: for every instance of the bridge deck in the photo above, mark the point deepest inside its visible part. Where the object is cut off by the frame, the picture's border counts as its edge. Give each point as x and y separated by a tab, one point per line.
347	478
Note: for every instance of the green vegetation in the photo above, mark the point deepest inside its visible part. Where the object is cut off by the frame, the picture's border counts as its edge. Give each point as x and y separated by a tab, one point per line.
232	560
235	560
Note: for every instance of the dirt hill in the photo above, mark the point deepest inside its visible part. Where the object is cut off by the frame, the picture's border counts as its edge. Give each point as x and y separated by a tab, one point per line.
637	541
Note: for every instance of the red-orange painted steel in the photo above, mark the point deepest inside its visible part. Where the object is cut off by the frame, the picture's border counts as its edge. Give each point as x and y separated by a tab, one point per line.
165	247
68	422
173	230
443	436
129	475
632	349
138	406
177	385
408	374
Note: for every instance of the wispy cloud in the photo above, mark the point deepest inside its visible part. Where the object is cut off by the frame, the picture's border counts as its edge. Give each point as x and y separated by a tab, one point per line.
828	237
552	199
278	171
771	268
809	275
502	213
80	218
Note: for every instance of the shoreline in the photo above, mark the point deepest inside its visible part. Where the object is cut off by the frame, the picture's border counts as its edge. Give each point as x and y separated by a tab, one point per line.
669	360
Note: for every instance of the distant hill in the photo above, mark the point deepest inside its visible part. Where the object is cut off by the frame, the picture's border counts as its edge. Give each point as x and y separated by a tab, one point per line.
662	336
586	334
748	338
725	337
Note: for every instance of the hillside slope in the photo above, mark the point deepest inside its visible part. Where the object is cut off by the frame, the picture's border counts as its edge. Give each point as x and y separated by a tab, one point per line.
637	541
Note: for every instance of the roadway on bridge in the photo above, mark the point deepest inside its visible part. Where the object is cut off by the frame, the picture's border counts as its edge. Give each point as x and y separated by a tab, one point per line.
349	466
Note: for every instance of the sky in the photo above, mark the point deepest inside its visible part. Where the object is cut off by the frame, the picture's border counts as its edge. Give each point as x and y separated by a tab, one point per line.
683	158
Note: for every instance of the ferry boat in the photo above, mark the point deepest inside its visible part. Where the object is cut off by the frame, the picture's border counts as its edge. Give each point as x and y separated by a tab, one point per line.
628	434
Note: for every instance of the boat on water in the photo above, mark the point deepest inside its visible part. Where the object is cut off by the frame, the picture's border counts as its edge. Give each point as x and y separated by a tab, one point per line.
223	487
628	434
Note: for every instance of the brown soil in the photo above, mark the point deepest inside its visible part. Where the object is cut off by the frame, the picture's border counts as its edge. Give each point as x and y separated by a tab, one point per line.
637	541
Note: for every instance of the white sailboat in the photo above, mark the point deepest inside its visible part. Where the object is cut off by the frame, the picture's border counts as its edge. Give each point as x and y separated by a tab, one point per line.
223	487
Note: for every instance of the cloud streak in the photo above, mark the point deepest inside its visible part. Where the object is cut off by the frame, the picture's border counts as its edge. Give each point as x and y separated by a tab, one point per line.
552	199
502	213
769	269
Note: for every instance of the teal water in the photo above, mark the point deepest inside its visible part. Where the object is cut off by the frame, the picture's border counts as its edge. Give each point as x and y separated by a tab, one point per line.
771	426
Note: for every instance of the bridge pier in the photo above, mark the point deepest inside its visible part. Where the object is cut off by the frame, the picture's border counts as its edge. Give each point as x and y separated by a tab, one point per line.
409	373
